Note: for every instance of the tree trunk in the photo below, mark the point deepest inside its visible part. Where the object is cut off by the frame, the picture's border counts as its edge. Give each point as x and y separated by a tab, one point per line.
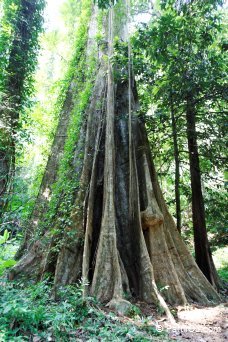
121	240
51	171
5	164
202	249
17	87
177	165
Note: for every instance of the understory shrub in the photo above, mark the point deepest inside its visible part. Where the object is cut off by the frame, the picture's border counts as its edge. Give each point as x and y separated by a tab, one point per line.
28	312
8	248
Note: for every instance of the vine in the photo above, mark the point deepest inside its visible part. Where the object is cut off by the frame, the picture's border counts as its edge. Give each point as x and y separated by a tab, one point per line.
67	183
21	25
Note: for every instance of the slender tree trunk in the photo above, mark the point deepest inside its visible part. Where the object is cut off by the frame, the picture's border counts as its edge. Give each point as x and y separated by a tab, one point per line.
3	176
7	154
177	165
202	249
121	238
21	56
5	165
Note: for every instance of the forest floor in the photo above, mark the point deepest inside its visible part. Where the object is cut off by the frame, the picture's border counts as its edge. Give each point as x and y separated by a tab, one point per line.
29	311
200	324
195	323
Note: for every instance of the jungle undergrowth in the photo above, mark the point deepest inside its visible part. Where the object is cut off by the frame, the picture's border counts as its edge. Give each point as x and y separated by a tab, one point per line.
28	311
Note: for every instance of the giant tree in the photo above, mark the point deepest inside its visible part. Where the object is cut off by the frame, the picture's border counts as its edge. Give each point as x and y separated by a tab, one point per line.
100	214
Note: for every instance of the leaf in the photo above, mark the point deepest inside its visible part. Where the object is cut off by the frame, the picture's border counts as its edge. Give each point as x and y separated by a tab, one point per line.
6	264
5	237
7	309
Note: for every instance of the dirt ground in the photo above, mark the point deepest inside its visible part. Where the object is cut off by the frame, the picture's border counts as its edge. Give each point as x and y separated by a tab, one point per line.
199	324
193	322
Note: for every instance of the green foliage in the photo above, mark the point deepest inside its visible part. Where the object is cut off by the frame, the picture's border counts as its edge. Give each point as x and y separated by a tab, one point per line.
216	216
181	52
223	273
220	257
42	118
105	3
10	10
26	186
7	250
21	25
70	10
120	60
133	311
80	73
5	237
29	311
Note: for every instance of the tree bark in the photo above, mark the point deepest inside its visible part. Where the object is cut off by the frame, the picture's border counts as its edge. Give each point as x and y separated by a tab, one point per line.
177	165
203	253
5	165
122	240
51	171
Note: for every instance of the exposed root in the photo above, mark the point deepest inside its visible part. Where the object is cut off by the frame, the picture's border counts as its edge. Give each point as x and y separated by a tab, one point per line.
120	306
